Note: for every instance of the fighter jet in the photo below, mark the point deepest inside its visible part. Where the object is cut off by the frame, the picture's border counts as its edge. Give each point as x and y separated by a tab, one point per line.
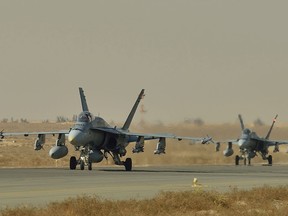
206	140
250	145
95	139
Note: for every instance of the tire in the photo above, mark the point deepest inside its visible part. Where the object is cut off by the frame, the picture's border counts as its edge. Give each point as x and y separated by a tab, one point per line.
128	164
73	163
89	166
82	165
270	160
237	158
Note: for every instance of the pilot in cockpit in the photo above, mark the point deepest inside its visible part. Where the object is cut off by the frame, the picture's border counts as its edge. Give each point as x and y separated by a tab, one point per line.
85	117
246	131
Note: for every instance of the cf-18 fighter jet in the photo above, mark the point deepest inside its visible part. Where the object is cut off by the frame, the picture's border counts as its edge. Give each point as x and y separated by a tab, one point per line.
250	144
96	139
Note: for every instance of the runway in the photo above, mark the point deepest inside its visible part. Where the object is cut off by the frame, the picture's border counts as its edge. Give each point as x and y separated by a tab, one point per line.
40	186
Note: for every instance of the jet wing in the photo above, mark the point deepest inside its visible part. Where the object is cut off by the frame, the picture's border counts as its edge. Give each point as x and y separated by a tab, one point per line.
107	130
146	135
4	134
119	132
233	141
271	142
161	145
40	141
164	135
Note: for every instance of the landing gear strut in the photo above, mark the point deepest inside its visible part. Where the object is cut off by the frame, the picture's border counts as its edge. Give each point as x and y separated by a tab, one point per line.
128	164
82	161
245	161
82	165
89	166
269	160
237	158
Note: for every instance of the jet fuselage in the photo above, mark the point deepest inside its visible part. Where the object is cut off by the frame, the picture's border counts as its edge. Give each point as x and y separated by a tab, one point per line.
249	143
81	134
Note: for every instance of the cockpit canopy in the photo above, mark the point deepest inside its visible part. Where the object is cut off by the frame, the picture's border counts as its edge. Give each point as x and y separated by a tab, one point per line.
85	117
246	131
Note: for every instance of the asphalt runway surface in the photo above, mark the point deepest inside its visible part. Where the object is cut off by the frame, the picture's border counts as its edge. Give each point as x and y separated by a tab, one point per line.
40	186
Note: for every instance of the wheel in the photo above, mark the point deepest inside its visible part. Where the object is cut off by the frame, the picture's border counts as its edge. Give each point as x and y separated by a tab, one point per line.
89	166
237	158
128	164
270	159
73	163
82	165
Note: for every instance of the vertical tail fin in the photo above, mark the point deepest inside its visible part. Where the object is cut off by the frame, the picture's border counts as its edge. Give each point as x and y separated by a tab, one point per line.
83	100
241	122
132	112
269	132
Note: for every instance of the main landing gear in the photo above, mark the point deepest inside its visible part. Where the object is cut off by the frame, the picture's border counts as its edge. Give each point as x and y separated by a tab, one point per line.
128	164
269	158
238	158
74	162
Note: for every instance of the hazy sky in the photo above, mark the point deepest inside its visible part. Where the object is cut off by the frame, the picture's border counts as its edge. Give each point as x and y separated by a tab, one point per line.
203	58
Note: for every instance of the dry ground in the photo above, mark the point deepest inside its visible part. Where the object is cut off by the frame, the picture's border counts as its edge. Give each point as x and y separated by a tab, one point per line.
258	201
19	152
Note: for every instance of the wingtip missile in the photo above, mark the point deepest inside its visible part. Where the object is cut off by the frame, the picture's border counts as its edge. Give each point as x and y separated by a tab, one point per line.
1	134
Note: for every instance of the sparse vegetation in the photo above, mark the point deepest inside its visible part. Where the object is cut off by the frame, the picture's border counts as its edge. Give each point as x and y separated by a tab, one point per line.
267	200
22	120
61	119
197	121
4	120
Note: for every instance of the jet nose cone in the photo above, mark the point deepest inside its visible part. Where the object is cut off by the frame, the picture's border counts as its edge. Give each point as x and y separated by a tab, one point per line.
73	137
242	142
